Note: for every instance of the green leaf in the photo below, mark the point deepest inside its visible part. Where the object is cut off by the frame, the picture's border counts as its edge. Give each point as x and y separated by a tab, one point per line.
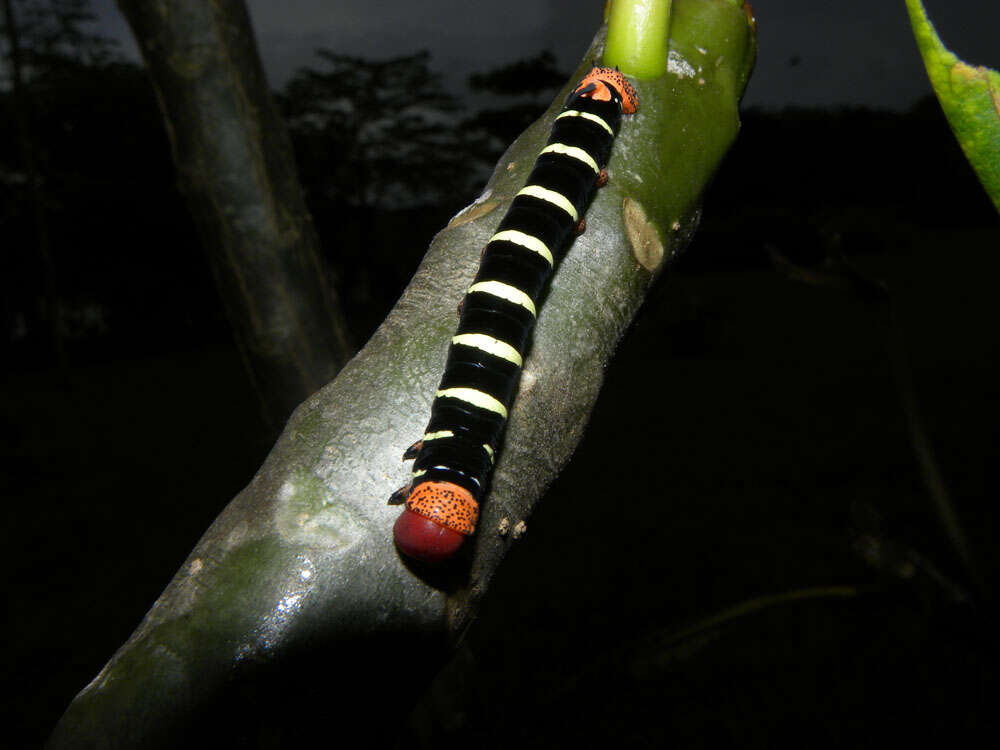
970	98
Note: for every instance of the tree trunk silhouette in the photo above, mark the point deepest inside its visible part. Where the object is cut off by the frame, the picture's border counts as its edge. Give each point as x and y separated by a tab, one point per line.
29	155
236	168
294	617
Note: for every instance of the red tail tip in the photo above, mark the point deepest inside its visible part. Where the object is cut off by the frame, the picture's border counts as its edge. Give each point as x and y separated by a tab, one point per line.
425	540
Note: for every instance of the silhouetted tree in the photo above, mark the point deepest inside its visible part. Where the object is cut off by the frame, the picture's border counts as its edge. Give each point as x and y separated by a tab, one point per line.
386	130
106	181
43	41
533	75
530	77
384	161
52	34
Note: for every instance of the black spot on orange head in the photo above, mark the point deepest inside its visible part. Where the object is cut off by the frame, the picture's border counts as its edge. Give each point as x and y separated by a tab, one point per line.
445	503
606	84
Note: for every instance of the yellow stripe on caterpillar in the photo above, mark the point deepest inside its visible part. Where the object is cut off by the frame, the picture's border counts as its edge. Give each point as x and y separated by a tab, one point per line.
438	435
525	240
574	152
550	196
476	398
586	116
505	291
488	344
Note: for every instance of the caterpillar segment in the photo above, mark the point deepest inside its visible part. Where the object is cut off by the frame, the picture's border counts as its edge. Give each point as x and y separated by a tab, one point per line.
453	461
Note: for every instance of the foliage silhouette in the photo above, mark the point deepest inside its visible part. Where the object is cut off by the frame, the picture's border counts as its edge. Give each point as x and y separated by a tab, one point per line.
531	77
53	34
383	127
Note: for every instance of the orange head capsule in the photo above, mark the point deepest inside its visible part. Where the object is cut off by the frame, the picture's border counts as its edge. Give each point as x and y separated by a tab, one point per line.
600	79
437	518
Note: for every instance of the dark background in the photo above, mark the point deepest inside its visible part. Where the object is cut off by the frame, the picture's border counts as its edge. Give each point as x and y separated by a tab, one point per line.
752	424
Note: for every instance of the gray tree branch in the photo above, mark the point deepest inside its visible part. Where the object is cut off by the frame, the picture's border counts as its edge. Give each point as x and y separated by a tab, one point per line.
236	168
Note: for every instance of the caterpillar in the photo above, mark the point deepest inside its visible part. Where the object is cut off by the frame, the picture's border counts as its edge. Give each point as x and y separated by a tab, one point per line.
454	459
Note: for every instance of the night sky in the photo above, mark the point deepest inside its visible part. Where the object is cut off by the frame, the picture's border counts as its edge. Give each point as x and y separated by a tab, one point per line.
848	53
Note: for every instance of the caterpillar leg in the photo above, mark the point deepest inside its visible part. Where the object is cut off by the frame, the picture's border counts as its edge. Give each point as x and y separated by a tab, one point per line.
437	519
413	450
399	496
580	228
602	178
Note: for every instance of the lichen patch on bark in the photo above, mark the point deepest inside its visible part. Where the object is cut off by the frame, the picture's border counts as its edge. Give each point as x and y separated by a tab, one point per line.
472	212
642	235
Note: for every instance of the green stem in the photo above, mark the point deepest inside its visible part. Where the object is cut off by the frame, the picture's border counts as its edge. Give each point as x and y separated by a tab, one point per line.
637	37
